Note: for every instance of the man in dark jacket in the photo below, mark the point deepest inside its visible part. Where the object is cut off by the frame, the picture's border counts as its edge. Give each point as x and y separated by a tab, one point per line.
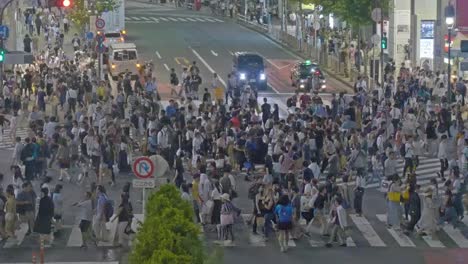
414	208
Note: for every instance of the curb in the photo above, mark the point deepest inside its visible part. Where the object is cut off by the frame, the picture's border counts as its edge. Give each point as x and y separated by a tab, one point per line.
284	45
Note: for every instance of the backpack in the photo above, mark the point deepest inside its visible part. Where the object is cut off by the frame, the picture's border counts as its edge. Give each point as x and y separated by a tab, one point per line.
285	215
108	209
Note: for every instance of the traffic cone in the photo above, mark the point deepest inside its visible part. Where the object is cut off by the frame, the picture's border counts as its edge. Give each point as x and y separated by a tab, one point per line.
34	258
42	251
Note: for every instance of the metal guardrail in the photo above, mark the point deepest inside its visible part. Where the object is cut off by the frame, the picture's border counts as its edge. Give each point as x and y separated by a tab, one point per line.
253	23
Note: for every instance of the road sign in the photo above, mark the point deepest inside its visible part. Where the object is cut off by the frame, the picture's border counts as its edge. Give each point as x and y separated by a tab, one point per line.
89	35
4	32
143	167
317	25
100	23
100	48
137	183
376	14
375	39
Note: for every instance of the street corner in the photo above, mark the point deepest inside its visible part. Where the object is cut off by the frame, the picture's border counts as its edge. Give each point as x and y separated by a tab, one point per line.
446	256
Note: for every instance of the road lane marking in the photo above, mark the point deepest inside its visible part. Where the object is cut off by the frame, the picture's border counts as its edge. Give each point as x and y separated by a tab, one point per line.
190	19
209	20
199	19
456	236
402	239
157	54
155	19
75	239
232	53
20	234
145	18
177	60
214	53
254	240
128	18
135	18
164	19
208	66
182	19
167	67
218	20
367	231
173	19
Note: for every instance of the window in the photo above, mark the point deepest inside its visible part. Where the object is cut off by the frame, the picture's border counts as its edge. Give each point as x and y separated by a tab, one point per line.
125	55
112	35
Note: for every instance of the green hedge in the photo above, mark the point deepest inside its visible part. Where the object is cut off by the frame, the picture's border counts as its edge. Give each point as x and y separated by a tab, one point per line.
168	234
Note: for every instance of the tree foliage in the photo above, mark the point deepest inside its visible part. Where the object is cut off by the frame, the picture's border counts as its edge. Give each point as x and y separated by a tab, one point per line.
80	12
168	235
355	12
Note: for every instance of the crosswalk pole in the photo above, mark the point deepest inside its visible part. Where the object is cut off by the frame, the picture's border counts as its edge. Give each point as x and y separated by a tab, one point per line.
42	251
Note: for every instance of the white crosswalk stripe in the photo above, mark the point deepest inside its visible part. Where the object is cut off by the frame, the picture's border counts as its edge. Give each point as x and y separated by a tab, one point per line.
74	237
157	19
361	226
7	143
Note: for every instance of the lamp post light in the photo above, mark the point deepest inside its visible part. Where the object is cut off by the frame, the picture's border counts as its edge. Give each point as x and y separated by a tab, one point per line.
449	20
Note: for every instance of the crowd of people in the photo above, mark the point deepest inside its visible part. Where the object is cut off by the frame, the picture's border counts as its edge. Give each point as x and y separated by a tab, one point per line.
84	130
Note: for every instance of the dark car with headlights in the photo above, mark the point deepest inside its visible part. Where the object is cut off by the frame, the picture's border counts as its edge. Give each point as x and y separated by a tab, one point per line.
250	70
307	75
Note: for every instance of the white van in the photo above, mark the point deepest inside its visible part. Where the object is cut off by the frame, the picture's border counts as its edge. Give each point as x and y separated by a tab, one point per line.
123	58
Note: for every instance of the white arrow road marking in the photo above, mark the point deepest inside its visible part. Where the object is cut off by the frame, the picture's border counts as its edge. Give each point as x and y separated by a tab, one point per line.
208	66
165	66
214	53
157	54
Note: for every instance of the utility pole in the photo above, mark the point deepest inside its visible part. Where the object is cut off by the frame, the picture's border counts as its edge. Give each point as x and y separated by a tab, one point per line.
381	71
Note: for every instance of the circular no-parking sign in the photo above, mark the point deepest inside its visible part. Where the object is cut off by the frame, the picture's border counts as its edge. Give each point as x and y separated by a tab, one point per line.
100	23
143	167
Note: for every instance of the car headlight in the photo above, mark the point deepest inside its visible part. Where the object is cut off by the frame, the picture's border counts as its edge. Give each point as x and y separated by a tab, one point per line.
242	76
323	86
302	86
262	76
302	81
138	65
113	66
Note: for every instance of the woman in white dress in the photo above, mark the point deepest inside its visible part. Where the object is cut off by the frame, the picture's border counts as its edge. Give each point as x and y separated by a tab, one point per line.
428	220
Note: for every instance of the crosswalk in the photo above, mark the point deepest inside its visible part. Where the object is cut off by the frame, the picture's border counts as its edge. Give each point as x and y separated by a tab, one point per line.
364	232
7	143
170	19
70	236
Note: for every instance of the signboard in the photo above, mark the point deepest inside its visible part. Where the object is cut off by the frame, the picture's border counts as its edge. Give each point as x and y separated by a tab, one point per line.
137	183
462	18
143	167
4	32
100	23
376	15
89	35
426	42
219	94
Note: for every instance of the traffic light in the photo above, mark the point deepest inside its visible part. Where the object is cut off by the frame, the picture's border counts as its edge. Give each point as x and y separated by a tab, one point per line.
2	55
384	43
63	3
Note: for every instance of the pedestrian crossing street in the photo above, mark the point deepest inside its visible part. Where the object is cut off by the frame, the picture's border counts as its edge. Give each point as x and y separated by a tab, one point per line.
170	19
70	236
363	232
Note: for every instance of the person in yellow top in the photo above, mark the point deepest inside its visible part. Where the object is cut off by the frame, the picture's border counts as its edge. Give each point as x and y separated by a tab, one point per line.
10	212
196	195
101	91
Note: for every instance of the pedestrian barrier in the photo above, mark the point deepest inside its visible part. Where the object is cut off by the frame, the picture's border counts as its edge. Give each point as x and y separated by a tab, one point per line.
252	23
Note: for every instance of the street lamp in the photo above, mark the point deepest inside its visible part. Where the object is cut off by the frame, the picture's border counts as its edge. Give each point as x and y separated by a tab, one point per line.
449	20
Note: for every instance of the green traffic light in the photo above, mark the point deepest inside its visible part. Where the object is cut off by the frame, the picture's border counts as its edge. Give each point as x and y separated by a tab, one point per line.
384	43
2	55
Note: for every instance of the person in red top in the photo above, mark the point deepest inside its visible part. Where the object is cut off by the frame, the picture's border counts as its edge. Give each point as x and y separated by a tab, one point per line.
304	100
235	121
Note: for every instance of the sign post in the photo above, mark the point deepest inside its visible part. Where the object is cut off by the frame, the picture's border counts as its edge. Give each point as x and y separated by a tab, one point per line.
143	168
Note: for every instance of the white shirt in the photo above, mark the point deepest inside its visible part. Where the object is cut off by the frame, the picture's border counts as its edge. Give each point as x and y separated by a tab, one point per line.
163	140
86	210
395	113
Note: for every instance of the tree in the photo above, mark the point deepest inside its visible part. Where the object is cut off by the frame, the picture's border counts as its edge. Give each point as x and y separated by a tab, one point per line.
168	234
81	11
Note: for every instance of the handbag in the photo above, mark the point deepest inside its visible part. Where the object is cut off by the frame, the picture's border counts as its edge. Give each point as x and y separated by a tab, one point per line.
227	219
394	196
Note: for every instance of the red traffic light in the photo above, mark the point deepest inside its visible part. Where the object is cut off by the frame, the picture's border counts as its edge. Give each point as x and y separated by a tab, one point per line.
63	3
